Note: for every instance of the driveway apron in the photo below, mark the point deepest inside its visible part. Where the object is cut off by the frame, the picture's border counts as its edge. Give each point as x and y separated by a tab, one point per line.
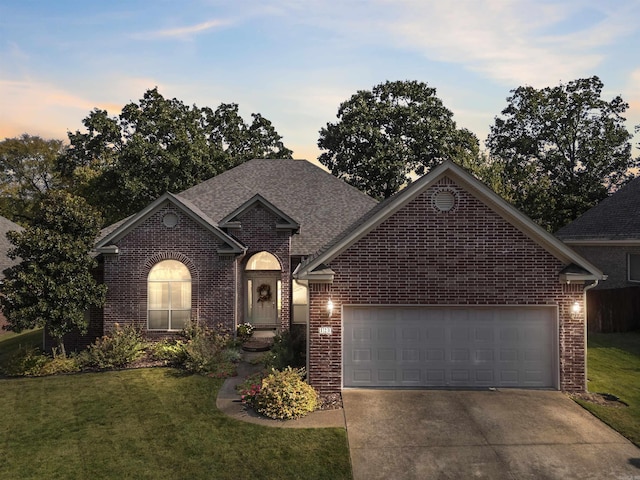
504	434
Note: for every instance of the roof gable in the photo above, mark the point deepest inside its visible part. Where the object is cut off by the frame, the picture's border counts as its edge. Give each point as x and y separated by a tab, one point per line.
107	243
385	210
285	223
320	203
615	219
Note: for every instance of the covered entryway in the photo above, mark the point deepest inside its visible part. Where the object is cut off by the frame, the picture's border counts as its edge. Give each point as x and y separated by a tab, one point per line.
264	290
417	346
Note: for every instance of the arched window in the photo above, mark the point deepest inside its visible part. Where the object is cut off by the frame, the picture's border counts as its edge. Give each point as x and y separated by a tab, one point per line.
263	261
169	296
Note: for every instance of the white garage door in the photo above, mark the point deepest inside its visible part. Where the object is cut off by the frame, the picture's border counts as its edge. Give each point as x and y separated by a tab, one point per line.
450	347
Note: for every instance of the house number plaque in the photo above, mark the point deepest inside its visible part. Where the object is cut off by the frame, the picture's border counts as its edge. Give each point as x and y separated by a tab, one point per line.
325	330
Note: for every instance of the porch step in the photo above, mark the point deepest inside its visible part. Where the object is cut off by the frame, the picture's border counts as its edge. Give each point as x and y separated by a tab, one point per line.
264	334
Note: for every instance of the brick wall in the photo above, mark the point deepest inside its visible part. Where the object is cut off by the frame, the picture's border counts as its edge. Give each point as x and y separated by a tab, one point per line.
467	256
217	281
212	275
612	261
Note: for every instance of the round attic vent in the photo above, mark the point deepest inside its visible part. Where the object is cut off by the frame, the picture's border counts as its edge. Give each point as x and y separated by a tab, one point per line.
443	200
170	220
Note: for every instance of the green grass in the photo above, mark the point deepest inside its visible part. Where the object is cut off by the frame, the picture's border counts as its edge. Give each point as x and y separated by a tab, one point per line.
613	364
149	423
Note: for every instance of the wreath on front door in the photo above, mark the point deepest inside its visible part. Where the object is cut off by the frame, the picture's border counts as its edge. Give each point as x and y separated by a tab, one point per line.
264	292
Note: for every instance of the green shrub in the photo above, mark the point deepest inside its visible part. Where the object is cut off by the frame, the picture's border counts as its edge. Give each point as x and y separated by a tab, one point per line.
203	349
287	351
25	361
169	351
60	364
284	395
122	347
232	354
223	370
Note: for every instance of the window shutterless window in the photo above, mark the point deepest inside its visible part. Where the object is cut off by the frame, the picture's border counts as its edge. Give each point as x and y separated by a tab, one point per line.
169	296
633	261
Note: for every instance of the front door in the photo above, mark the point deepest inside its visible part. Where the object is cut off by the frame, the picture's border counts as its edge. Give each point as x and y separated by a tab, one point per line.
262	300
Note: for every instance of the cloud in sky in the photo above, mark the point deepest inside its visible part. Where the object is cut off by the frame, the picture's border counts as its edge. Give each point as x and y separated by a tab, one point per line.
183	32
535	43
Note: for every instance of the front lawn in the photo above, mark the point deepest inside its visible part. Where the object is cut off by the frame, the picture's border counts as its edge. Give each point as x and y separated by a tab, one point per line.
613	366
151	423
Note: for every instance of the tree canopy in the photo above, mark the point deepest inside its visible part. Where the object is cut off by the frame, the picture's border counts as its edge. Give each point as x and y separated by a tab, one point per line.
120	164
27	172
385	136
560	150
53	285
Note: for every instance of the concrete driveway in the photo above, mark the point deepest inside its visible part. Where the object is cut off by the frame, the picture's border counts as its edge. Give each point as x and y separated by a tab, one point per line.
506	434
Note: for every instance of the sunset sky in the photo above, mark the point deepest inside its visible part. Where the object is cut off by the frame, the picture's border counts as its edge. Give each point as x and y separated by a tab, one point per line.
296	61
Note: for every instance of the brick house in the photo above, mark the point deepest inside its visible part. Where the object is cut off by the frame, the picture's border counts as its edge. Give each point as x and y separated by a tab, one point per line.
447	285
608	235
443	285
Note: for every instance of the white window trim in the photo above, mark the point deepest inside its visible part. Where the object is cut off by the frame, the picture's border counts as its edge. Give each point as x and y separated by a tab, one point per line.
632	280
170	310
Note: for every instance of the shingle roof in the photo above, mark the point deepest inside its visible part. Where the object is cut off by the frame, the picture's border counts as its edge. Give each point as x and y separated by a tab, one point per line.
615	218
6	225
322	204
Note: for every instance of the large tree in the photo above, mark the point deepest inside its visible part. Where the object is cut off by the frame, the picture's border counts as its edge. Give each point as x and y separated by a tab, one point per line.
386	136
561	149
27	172
122	163
53	285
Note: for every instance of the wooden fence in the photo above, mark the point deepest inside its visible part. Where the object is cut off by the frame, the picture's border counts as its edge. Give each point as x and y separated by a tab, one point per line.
614	310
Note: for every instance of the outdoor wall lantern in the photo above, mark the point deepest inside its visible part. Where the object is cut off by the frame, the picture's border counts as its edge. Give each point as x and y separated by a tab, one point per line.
329	308
575	310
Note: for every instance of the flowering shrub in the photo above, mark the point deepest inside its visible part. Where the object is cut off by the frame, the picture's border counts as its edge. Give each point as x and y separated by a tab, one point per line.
250	388
285	395
244	331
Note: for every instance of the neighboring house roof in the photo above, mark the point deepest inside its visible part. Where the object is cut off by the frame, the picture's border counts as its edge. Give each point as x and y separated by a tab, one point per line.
615	219
315	265
6	225
323	205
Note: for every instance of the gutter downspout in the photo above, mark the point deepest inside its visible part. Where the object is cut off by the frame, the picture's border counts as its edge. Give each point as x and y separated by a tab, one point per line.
584	300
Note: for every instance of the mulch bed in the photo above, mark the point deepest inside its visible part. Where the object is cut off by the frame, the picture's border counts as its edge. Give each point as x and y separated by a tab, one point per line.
330	401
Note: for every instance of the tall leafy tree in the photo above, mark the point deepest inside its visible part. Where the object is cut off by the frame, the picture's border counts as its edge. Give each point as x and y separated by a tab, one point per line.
122	163
53	286
561	149
387	135
27	172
